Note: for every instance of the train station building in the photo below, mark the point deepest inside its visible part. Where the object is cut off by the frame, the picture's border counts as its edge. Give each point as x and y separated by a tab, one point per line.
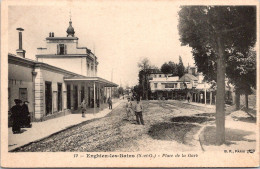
62	75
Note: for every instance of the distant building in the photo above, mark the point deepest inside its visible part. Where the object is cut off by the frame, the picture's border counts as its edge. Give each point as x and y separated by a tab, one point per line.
155	73
166	86
188	81
192	71
192	83
164	83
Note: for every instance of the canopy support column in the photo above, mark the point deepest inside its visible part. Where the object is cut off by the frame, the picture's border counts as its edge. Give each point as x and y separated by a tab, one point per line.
210	99
94	93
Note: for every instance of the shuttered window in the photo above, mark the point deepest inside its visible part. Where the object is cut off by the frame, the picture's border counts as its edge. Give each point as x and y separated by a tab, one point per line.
61	49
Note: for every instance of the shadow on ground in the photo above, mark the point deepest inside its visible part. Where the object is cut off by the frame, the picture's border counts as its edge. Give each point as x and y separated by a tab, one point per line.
173	131
206	114
247	119
192	119
208	136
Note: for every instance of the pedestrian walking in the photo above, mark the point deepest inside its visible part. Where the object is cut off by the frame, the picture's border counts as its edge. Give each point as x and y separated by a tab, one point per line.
26	119
188	97
105	99
16	116
201	98
109	101
128	109
139	112
83	107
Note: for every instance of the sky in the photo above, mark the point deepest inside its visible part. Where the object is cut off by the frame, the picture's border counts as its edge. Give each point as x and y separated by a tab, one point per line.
121	33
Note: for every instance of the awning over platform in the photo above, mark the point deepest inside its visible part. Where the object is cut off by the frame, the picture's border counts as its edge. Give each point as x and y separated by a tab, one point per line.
105	82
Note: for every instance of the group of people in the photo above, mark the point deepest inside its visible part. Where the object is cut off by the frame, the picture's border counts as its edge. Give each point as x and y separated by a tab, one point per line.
137	109
20	116
130	108
84	106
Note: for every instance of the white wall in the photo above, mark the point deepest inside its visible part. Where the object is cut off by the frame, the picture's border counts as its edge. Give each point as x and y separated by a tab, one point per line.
20	77
76	65
54	78
71	48
161	85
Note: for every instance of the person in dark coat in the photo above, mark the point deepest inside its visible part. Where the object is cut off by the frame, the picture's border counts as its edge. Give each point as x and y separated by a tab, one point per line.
16	115
105	99
26	120
109	101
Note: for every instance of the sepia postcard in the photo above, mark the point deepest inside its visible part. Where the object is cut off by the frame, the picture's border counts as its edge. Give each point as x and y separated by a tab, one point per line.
127	83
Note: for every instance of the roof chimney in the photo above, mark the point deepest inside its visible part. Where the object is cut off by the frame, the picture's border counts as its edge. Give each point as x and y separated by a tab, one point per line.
52	34
20	52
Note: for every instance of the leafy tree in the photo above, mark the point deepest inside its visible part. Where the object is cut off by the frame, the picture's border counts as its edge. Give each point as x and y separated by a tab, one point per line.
145	70
242	73
174	68
170	68
166	68
137	91
120	91
215	33
181	68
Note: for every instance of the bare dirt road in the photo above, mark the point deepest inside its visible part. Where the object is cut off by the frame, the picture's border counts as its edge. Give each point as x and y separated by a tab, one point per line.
169	126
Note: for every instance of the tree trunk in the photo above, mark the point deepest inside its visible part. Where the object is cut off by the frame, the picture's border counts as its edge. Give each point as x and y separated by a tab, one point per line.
246	99
237	100
220	101
147	87
143	92
146	90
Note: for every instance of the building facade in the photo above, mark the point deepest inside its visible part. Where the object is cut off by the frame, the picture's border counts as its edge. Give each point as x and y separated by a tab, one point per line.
59	80
64	52
191	83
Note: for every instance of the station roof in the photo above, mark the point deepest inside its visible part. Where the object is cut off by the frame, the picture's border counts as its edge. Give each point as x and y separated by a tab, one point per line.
90	79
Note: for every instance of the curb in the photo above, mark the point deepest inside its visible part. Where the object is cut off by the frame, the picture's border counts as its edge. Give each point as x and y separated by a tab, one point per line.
66	128
197	137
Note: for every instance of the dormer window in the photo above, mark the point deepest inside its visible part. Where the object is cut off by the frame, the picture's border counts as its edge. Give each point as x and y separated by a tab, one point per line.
61	49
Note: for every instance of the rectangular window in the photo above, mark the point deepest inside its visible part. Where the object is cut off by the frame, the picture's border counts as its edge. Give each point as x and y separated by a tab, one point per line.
75	97
61	49
155	85
48	98
170	85
59	96
82	93
68	97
